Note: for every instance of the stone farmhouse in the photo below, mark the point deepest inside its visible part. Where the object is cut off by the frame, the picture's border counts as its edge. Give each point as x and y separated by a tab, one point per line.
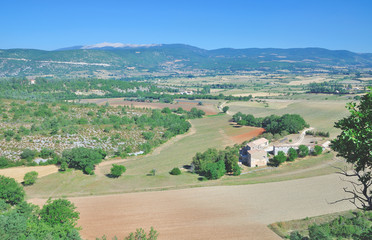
253	154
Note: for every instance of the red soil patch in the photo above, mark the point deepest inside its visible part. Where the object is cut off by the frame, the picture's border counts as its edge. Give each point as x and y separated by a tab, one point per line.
209	109
247	136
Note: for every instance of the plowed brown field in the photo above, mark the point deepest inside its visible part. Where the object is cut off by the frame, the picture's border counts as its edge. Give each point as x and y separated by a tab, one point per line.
224	212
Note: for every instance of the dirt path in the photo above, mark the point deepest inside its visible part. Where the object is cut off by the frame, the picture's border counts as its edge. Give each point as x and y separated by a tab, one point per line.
157	151
301	137
19	172
223	212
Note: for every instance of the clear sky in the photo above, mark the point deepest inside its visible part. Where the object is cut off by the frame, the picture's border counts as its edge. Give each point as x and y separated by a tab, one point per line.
52	24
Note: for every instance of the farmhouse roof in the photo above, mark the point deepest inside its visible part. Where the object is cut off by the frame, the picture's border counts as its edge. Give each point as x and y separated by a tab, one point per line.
257	153
260	141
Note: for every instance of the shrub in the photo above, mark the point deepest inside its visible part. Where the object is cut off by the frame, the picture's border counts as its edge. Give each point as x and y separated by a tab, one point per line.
317	150
28	154
292	154
63	166
47	153
166	110
9	133
225	109
5	162
30	178
175	171
303	151
18	138
117	170
148	135
153	172
278	159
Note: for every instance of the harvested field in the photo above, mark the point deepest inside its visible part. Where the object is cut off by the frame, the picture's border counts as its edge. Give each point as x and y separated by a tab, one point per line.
19	172
208	107
224	212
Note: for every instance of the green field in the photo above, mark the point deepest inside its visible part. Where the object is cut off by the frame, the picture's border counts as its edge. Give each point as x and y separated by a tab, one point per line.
209	132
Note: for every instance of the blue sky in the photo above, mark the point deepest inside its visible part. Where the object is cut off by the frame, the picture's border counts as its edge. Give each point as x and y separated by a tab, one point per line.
49	24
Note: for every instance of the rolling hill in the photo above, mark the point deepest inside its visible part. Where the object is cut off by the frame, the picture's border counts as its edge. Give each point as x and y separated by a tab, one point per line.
125	60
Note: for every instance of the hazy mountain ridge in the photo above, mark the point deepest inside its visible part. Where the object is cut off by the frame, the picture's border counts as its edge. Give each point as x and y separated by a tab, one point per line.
124	59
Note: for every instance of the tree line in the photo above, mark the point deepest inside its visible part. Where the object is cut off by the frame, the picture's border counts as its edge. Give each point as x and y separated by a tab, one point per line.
289	123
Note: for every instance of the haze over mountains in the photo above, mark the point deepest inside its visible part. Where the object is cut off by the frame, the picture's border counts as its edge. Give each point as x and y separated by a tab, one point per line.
117	60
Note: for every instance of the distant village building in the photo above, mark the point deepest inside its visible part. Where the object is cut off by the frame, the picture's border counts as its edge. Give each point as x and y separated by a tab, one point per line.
187	93
32	81
253	154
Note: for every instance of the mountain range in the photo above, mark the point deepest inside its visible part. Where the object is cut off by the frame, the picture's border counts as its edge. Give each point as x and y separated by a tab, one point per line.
117	60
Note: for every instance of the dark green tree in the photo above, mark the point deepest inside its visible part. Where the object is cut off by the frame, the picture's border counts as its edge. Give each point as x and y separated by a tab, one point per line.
225	109
117	170
59	212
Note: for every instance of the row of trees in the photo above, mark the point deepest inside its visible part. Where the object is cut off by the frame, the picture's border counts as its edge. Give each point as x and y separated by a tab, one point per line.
327	87
292	154
213	164
290	123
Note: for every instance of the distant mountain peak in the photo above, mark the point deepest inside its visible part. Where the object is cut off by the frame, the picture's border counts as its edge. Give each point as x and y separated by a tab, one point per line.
118	45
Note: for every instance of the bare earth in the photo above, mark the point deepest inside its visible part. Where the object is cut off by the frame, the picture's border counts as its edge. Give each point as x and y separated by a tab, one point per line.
223	212
19	172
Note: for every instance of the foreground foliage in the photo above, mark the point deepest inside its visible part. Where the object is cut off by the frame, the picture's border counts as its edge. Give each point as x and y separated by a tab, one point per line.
140	234
355	144
358	227
21	220
11	191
